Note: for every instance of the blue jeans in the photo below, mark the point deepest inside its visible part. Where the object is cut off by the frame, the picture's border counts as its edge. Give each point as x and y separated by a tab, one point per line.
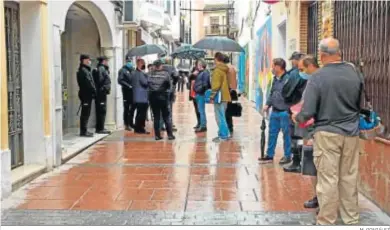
201	102
220	110
279	121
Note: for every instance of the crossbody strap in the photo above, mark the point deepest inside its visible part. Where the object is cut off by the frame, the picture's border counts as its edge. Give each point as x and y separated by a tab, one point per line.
363	90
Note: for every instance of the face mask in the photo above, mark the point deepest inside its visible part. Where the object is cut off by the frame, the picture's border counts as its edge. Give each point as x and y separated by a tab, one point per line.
129	65
143	67
304	75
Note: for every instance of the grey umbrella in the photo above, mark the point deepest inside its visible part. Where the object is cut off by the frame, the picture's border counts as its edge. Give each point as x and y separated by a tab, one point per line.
146	50
219	44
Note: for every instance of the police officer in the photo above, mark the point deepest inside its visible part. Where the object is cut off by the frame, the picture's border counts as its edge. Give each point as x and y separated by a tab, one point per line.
101	77
159	84
87	92
124	79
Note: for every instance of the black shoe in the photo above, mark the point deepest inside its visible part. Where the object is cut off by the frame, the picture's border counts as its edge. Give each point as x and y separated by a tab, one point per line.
313	203
266	158
158	138
163	129
128	128
86	134
174	129
284	160
197	127
171	138
294	168
201	130
142	132
104	131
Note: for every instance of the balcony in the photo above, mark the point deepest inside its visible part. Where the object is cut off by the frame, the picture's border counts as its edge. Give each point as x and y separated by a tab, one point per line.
216	30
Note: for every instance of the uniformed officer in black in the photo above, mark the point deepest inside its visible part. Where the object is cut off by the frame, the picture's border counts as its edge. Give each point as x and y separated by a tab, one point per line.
124	79
87	92
101	77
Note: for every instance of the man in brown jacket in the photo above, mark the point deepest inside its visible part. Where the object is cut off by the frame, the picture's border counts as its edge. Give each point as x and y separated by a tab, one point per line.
220	96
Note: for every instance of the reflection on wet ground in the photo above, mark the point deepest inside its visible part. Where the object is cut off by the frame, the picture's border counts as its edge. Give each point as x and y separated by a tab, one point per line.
133	172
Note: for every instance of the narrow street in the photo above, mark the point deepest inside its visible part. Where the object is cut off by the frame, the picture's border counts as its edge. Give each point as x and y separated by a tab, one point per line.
129	179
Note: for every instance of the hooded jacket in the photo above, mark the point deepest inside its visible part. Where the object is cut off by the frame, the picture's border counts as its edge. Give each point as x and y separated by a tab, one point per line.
101	77
219	82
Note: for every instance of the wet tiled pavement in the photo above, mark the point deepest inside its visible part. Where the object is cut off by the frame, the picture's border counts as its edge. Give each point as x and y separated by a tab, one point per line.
129	179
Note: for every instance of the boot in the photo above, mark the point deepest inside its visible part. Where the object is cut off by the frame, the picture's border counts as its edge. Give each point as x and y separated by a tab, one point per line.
86	134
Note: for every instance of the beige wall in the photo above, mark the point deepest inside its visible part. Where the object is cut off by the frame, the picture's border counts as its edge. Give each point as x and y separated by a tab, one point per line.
199	22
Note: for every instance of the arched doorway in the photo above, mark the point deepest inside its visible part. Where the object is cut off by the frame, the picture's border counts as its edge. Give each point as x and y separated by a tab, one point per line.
86	32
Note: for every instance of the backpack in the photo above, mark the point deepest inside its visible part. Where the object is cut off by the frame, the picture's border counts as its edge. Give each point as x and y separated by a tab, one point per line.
232	77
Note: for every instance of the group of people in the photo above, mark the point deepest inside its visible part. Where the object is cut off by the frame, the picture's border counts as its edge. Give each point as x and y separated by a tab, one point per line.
329	96
155	88
221	83
140	89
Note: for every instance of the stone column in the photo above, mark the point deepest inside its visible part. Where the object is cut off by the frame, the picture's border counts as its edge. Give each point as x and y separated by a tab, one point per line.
111	105
6	185
43	12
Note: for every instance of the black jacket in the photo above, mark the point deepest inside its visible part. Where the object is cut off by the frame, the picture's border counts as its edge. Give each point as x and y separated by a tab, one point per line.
173	74
87	89
124	77
293	89
159	82
101	77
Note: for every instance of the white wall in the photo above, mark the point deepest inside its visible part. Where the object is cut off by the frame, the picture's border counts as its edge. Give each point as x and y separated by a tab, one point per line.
34	146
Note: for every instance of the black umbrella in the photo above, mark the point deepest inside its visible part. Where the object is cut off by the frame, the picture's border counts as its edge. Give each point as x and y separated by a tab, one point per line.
146	50
262	140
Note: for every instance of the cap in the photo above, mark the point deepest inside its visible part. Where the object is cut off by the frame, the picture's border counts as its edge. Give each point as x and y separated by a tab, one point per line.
157	62
296	55
84	56
102	58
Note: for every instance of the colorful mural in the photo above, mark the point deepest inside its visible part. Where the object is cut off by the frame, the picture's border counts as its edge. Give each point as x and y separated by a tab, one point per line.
246	48
263	63
241	73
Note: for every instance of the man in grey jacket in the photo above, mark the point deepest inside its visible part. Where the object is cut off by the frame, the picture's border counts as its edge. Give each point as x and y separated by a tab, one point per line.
332	98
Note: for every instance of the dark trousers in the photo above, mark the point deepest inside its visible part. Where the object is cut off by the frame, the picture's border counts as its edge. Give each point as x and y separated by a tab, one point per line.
159	103
85	113
128	107
140	119
180	86
101	111
196	111
229	118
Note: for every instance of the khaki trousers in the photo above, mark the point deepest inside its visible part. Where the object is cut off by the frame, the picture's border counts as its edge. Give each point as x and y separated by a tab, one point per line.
336	158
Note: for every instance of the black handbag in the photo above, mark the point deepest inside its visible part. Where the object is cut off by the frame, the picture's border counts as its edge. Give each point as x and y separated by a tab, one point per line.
234	109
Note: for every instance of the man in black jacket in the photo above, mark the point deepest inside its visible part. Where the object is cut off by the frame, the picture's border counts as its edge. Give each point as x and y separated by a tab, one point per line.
174	78
87	92
101	77
292	92
124	79
159	84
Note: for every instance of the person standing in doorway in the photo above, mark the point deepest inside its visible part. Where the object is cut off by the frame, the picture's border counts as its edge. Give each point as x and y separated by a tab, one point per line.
220	86
124	79
332	98
139	82
202	84
87	92
101	77
279	117
232	78
159	84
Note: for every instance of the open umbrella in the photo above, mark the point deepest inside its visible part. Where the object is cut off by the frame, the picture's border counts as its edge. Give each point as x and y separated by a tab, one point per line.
219	43
187	51
146	50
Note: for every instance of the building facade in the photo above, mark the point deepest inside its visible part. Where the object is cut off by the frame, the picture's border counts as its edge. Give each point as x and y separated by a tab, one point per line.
40	45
